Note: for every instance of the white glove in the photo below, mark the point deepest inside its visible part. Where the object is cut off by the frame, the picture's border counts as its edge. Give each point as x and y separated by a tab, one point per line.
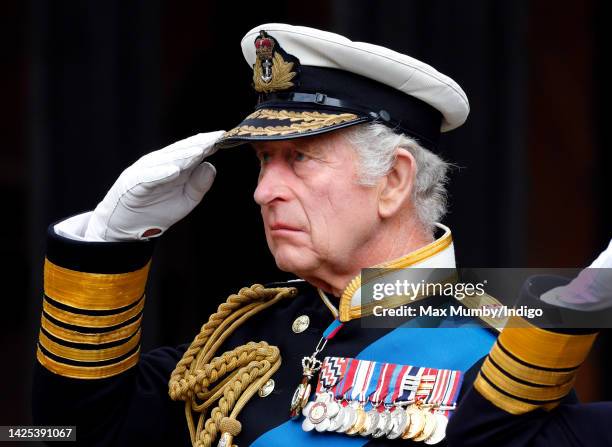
155	192
591	290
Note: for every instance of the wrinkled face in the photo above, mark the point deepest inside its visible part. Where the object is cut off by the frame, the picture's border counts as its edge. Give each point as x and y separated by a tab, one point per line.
315	214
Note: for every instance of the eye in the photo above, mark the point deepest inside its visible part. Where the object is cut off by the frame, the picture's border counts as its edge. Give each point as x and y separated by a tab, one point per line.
299	156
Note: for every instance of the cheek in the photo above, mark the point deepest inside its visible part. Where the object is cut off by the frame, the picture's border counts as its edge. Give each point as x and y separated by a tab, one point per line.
346	215
353	201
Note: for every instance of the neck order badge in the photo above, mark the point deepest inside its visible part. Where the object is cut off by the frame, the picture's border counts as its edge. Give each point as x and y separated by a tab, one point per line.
310	366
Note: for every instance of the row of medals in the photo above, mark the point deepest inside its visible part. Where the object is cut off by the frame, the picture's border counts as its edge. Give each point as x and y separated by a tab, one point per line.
415	422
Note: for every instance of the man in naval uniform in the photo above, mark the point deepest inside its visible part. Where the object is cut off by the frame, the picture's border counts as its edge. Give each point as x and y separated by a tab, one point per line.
346	133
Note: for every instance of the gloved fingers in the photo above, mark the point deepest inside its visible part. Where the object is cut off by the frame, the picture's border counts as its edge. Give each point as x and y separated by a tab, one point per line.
153	177
200	181
207	141
155	188
174	171
185	173
199	146
186	161
204	139
181	157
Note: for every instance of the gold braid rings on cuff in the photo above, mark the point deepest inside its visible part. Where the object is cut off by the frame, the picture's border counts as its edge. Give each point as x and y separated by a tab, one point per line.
248	367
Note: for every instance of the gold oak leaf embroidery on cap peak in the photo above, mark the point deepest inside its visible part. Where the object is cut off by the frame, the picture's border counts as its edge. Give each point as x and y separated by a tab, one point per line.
300	122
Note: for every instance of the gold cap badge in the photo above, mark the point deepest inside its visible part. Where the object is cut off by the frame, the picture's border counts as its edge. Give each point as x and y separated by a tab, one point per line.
272	70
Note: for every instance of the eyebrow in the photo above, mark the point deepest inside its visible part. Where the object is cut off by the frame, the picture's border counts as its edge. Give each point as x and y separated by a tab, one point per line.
310	149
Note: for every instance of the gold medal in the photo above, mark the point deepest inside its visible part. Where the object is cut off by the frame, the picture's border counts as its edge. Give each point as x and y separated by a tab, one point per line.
417	423
428	428
300	398
359	423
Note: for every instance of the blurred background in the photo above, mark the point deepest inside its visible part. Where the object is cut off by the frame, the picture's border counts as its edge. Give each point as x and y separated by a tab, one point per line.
89	87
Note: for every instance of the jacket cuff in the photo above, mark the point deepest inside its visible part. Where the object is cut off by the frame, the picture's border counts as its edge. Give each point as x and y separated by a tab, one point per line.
92	306
530	368
533	364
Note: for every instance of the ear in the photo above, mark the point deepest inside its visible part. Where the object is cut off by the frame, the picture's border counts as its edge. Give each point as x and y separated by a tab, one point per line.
396	187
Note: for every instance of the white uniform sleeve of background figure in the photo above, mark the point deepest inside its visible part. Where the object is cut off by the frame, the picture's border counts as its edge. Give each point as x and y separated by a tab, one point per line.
151	195
591	290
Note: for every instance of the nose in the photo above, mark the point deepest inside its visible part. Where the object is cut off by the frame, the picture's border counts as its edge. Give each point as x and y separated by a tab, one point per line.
273	182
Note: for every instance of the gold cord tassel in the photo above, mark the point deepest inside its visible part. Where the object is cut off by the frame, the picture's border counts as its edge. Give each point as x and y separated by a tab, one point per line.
236	374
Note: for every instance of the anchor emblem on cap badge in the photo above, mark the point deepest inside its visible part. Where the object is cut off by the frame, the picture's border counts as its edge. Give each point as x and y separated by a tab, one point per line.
264	49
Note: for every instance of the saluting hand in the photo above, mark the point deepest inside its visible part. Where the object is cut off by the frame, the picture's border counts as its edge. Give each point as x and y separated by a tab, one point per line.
155	192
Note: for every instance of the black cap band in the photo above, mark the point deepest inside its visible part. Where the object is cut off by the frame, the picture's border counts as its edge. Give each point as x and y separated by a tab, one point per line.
338	90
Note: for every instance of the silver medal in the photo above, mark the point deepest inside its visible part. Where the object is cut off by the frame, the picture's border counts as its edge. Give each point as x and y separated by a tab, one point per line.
440	431
333	408
307	425
349	419
323	425
336	422
399	418
384	424
372	418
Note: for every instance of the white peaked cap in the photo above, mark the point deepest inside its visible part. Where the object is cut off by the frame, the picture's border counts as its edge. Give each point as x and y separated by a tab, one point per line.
318	48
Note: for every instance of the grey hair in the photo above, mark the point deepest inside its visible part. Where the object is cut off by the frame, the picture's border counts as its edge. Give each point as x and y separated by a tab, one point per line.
375	145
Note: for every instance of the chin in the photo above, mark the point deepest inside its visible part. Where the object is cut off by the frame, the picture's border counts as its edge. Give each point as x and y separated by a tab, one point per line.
293	261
